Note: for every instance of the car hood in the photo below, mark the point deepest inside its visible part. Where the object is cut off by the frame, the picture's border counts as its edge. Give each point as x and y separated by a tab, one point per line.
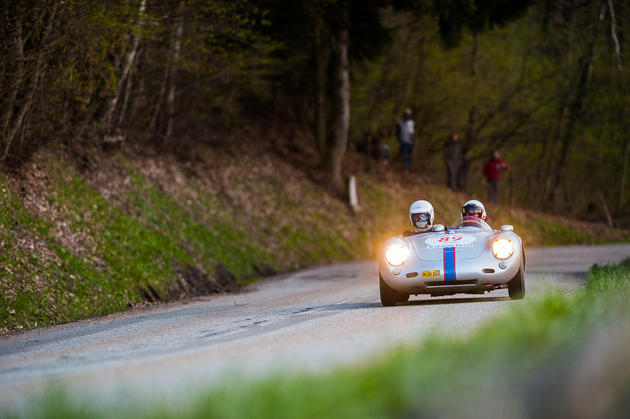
469	244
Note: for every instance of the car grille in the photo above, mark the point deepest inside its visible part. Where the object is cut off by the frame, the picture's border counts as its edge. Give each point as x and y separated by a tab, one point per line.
451	283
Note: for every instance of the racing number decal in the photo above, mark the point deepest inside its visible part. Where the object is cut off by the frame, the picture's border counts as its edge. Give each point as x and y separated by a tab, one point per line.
450	239
449	264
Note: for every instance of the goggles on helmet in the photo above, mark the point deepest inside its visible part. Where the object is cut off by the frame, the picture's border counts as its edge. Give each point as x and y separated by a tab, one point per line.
420	217
473	212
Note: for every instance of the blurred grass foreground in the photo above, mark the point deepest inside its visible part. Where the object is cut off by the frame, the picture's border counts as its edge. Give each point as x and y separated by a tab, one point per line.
558	356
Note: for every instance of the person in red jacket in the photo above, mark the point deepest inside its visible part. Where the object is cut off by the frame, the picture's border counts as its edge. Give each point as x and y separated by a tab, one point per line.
492	171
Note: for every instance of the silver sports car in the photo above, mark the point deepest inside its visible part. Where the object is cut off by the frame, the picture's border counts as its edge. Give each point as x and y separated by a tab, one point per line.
469	257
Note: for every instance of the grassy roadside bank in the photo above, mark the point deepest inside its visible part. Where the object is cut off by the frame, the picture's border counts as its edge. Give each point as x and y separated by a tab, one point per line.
87	239
558	356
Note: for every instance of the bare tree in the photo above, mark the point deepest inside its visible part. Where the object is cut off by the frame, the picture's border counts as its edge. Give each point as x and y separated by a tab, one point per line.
613	34
129	62
620	110
340	138
575	108
177	46
321	63
18	75
18	125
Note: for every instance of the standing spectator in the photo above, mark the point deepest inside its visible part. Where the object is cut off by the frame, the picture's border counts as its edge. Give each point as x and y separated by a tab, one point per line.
404	133
453	159
462	172
492	171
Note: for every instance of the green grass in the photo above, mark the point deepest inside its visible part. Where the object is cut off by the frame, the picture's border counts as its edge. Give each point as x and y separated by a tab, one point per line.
37	286
221	239
558	234
135	249
72	285
522	364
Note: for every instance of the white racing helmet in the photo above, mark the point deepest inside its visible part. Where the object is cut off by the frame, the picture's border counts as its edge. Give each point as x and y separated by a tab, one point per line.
474	208
421	215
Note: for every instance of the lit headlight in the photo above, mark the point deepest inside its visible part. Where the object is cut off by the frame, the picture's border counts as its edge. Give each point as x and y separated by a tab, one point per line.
502	248
397	254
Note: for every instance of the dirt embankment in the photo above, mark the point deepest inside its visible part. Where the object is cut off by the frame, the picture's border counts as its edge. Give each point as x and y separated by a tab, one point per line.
90	233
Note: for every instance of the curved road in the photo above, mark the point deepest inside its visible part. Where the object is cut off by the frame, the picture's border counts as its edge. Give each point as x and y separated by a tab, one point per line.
311	319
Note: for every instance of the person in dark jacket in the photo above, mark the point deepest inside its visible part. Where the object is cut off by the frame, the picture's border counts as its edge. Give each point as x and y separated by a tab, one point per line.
405	133
453	160
492	169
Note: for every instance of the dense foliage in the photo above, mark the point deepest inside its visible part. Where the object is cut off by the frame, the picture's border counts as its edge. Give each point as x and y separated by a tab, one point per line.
543	81
548	90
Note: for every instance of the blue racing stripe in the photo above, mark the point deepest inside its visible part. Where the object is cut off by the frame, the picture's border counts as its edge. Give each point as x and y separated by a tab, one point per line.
449	263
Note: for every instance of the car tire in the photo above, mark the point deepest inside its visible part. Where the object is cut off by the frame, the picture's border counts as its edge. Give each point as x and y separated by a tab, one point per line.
516	286
389	296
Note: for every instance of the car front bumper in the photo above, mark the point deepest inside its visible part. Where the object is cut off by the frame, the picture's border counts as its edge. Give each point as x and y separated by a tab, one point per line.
475	275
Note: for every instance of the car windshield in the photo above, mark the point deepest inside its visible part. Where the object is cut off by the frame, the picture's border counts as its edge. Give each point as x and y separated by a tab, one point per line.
470	223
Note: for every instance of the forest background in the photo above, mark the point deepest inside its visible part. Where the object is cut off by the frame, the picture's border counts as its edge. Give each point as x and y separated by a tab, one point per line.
543	81
155	150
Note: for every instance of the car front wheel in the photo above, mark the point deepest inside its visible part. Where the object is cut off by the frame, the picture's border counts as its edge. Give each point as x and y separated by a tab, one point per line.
516	286
389	296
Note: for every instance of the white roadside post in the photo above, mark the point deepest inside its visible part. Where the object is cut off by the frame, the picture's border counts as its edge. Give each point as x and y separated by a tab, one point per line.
352	194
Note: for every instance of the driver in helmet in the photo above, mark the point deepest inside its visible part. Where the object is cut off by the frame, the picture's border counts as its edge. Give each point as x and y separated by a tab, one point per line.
421	215
473	208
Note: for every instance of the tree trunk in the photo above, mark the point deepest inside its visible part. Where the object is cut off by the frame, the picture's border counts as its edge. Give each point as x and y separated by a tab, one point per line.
177	45
125	103
474	61
160	100
18	77
548	155
620	110
129	62
28	100
321	132
609	219
340	138
472	113
622	182
613	34
576	107
470	128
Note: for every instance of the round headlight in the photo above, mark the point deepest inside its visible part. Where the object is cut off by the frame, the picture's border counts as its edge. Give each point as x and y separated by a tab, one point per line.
397	254
502	248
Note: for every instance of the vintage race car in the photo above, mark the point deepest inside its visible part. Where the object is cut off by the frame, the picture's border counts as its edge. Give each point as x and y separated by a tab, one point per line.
469	257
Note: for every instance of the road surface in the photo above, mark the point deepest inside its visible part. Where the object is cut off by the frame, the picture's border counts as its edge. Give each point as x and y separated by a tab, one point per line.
313	319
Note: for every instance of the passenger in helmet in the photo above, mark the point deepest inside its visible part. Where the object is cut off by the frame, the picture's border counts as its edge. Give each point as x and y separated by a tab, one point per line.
421	215
471	210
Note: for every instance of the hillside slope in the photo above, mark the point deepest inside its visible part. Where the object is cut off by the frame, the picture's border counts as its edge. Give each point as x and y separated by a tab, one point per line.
93	235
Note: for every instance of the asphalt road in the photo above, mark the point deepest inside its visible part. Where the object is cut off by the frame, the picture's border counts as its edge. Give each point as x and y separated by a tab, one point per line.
312	319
